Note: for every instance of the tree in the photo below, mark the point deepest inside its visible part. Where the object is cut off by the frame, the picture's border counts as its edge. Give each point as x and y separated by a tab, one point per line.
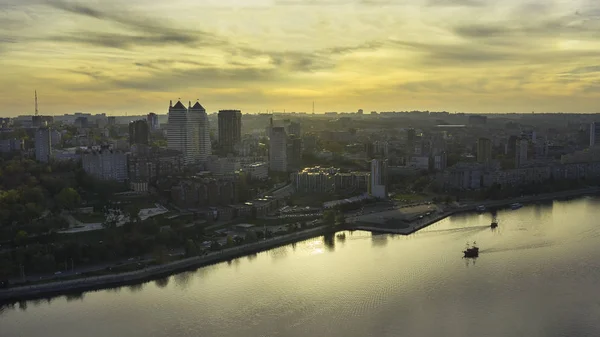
328	217
229	241
190	248
67	198
340	219
251	236
160	254
20	237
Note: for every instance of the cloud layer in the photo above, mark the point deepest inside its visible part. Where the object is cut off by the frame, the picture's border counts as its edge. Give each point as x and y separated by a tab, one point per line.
466	55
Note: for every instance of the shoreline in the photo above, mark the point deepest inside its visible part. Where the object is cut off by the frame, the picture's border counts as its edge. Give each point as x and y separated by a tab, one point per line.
60	288
412	228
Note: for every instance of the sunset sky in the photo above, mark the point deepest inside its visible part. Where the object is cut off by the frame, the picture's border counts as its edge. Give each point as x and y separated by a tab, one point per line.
113	57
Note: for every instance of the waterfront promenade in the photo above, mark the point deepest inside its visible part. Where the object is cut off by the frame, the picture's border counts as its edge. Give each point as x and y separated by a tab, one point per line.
469	207
107	281
150	273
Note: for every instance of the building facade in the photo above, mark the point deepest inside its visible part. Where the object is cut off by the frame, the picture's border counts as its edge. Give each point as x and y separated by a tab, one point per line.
138	132
152	120
594	134
105	164
278	150
484	150
230	130
188	132
43	144
379	179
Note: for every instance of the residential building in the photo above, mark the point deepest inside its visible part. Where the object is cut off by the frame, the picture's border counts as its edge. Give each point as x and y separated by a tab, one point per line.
199	144
594	134
152	119
147	167
379	178
294	128
522	150
257	171
484	150
223	165
105	164
176	129
188	132
329	180
43	144
278	150
11	145
294	151
205	192
138	132
230	130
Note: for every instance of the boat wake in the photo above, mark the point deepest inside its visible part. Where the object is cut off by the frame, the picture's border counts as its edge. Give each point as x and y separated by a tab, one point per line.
460	229
522	247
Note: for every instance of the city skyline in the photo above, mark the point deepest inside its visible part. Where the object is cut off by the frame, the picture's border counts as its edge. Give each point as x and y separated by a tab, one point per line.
455	55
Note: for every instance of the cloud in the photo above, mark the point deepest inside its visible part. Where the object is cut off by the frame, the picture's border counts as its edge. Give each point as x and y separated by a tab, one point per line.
585	70
456	3
144	31
176	79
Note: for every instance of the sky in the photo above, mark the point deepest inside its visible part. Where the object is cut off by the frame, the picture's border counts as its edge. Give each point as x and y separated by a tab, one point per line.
117	57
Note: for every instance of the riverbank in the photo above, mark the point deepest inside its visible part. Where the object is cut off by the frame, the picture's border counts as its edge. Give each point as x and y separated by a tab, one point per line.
155	272
151	273
471	207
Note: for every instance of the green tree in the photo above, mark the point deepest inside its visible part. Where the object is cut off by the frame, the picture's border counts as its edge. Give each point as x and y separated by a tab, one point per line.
20	237
230	242
251	236
190	248
340	219
329	217
67	198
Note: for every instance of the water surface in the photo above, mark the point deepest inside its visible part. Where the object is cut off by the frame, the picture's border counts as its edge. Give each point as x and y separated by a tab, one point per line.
538	274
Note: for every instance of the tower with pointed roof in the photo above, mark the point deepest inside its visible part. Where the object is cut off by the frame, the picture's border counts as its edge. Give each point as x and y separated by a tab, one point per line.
177	128
188	132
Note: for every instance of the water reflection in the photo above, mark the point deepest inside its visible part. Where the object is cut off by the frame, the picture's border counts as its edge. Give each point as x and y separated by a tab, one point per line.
162	282
75	297
539	281
23	305
182	280
379	240
329	241
134	288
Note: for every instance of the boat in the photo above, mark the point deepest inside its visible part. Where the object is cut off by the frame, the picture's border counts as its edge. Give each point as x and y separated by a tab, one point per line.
471	252
516	205
480	208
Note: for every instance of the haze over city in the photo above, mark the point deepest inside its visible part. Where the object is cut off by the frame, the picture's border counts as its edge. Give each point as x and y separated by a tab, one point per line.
119	57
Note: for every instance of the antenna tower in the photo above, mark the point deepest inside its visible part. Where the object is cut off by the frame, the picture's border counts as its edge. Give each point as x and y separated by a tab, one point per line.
36	104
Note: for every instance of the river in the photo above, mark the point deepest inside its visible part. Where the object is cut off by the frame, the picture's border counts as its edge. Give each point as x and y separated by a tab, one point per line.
538	274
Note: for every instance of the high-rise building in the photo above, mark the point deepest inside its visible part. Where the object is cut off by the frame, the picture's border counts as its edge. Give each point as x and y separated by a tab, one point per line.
230	129
521	152
138	132
294	128
152	119
188	132
379	178
594	134
199	144
294	151
176	128
111	120
43	145
411	136
484	150
278	150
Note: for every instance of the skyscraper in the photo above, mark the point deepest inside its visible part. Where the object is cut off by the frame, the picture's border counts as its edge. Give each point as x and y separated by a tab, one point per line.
484	150
379	178
230	129
43	144
199	145
278	150
176	129
138	132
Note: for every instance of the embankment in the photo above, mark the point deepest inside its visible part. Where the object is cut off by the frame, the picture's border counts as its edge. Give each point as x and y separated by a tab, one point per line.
150	273
470	207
